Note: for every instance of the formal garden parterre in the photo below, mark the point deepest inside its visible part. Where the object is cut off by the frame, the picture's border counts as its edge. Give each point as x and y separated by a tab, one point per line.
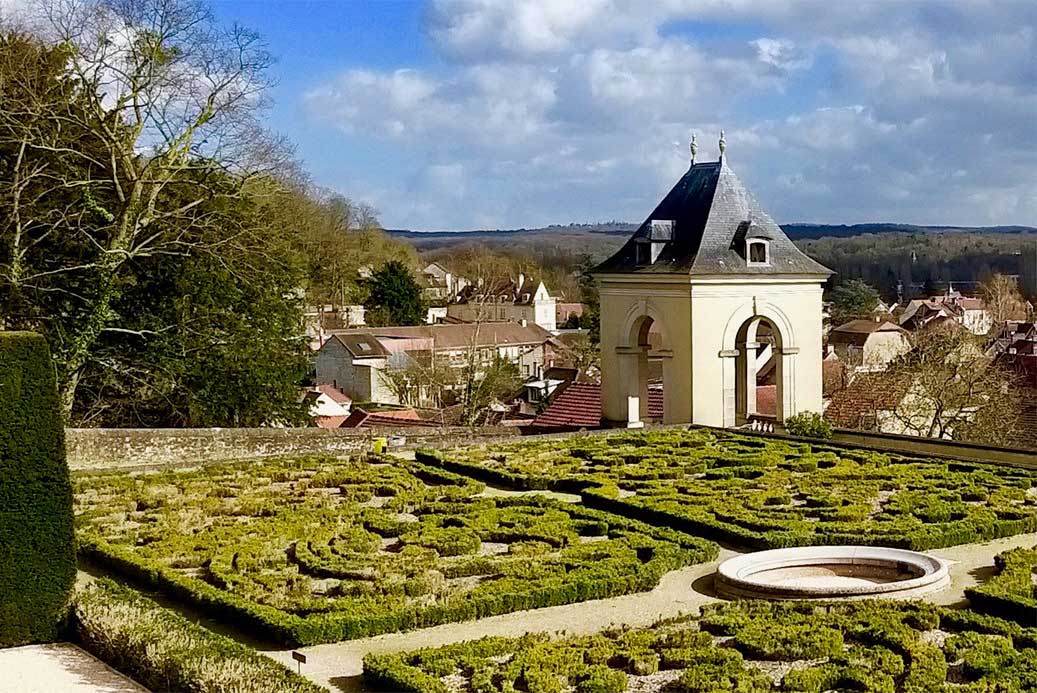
315	549
1012	592
742	647
761	492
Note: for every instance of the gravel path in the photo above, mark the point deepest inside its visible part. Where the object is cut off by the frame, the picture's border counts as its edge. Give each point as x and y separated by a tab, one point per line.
972	564
339	665
59	667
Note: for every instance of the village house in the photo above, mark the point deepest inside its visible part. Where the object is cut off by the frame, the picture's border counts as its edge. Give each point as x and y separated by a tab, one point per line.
328	405
319	320
354	360
440	284
564	311
520	300
868	344
970	313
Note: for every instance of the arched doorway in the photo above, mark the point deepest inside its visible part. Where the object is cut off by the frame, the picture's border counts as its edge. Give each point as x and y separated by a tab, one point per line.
642	363
759	372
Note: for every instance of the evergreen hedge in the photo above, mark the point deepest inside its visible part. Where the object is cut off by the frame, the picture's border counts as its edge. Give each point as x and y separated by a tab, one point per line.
1012	593
166	652
257	574
37	553
763	493
877	646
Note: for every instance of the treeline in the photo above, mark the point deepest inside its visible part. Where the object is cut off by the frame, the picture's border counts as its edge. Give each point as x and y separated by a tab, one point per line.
151	229
920	262
557	266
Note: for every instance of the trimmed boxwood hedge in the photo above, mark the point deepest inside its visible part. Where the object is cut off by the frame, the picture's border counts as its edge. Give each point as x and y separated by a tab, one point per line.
166	652
1012	593
761	493
37	552
879	646
292	549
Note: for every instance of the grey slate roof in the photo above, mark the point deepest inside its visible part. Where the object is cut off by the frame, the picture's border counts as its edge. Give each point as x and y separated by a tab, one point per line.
713	213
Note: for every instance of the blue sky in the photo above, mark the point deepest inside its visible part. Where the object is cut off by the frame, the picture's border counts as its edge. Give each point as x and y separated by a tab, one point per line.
461	114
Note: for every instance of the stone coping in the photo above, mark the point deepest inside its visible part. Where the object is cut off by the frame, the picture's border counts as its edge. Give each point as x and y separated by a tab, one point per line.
743	576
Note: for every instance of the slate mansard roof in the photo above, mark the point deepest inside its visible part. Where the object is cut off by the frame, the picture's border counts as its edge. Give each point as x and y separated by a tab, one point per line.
712	214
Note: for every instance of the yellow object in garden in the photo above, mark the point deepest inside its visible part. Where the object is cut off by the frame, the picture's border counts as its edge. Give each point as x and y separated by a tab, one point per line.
380	445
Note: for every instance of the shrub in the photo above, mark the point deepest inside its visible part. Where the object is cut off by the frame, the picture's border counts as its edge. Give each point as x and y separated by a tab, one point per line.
166	652
769	641
750	490
808	424
37	555
314	570
1011	593
601	679
889	652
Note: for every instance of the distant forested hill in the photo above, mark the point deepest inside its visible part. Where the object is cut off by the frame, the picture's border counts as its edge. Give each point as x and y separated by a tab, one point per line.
919	258
610	234
797	231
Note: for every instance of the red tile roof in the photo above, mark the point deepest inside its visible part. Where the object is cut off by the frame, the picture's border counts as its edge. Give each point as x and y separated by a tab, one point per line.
579	406
833	376
395	418
857	331
330	421
766	400
1026	427
856	405
335	394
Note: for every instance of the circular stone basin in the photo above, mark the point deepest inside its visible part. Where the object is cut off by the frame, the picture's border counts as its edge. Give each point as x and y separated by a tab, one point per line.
830	572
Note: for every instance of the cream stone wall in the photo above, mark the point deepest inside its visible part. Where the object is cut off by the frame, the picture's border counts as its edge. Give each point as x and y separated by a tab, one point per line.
699	318
625	301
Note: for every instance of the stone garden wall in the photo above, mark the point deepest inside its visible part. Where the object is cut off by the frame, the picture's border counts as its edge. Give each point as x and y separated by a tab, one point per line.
96	448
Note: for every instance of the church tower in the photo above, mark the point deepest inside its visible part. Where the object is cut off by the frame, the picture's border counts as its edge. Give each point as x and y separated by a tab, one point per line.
711	292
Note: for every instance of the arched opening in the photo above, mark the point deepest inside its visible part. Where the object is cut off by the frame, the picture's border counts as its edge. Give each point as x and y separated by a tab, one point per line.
759	390
644	357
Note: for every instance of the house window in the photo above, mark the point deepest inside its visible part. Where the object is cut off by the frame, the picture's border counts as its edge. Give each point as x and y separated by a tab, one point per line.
758	253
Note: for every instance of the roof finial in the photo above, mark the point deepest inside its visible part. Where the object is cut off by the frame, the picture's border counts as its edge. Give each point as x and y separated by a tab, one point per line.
723	144
694	147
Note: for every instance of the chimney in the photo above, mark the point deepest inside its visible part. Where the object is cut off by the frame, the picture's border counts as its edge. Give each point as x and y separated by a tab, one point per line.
523	322
521	281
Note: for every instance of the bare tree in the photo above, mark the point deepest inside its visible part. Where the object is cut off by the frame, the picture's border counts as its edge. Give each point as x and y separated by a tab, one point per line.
584	355
420	379
955	390
1003	299
161	104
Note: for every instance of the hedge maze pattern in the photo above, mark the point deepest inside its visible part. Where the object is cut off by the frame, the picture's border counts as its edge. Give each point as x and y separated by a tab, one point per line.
316	549
764	493
742	647
1012	592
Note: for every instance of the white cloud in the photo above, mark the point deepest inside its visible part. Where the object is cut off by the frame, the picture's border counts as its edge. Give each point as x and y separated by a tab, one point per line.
548	111
780	54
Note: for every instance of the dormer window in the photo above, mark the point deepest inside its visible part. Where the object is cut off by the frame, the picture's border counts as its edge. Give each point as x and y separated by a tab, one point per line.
662	230
757	252
650	246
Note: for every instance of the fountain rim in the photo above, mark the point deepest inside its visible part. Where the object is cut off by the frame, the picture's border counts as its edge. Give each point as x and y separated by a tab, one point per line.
735	576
